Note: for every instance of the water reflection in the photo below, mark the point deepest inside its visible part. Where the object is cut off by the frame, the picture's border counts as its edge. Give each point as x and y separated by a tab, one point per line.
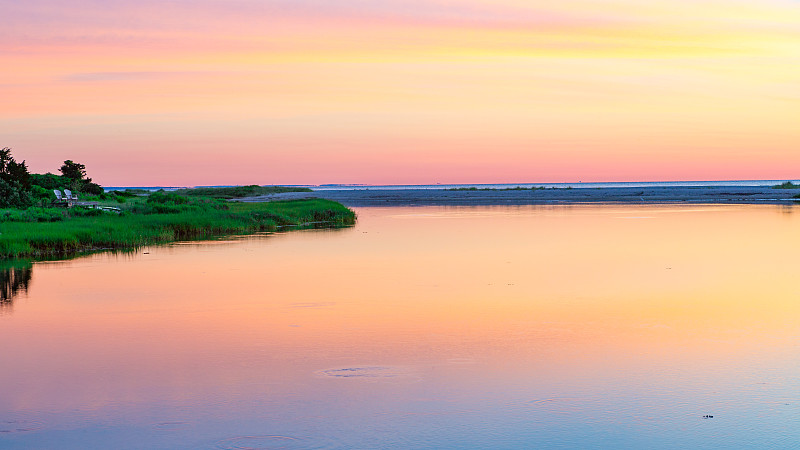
14	279
489	327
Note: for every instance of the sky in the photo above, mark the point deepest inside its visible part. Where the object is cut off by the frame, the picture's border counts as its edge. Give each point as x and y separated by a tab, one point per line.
208	92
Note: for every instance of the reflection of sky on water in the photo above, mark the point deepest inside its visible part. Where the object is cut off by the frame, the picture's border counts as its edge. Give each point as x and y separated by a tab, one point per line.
422	327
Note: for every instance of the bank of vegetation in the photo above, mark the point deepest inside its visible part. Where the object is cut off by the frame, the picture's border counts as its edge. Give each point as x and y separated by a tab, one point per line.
32	225
232	192
786	185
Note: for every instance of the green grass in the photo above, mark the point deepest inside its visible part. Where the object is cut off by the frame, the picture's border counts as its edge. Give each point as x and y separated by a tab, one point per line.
238	191
786	185
155	220
6	264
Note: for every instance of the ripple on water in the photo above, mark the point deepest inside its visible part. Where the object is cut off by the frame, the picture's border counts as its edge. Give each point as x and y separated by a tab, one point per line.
171	426
19	426
461	361
367	372
555	404
260	442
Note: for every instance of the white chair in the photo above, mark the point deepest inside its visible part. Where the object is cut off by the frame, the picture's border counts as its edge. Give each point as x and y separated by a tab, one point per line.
71	198
62	200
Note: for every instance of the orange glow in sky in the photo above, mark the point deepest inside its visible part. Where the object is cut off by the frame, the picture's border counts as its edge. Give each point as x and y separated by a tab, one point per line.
402	91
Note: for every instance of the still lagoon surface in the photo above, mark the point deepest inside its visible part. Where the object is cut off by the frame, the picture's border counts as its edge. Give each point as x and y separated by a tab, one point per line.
438	327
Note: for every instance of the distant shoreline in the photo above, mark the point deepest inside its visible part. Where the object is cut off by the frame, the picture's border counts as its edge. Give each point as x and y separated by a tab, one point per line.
381	196
439	186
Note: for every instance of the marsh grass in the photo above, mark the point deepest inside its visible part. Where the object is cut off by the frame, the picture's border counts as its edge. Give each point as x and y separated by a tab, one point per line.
238	191
145	221
6	264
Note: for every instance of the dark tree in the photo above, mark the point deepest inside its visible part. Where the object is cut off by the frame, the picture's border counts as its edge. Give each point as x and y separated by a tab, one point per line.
13	172
74	171
15	181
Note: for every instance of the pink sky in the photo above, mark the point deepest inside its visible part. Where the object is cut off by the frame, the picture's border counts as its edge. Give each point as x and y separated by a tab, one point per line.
416	91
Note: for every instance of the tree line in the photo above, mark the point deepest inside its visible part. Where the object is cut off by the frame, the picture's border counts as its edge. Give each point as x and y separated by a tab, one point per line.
21	189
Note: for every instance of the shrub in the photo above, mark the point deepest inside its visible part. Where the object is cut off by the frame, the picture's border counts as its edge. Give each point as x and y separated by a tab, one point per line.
13	195
50	181
11	215
35	214
44	215
85	212
167	197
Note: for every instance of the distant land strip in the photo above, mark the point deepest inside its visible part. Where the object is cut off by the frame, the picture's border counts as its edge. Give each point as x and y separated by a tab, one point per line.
367	196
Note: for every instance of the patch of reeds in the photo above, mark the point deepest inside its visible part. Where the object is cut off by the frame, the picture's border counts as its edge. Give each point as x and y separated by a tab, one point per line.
238	191
146	222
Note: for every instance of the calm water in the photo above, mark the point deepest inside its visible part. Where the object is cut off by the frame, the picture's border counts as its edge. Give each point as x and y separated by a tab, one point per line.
486	327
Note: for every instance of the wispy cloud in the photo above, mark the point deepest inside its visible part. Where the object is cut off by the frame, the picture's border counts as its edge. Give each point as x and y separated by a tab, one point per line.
516	83
126	76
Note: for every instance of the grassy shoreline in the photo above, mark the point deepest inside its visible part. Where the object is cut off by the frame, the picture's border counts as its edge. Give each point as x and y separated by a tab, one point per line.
143	223
228	193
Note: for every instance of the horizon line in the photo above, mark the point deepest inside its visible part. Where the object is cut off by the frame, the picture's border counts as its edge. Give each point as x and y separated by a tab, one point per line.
459	184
